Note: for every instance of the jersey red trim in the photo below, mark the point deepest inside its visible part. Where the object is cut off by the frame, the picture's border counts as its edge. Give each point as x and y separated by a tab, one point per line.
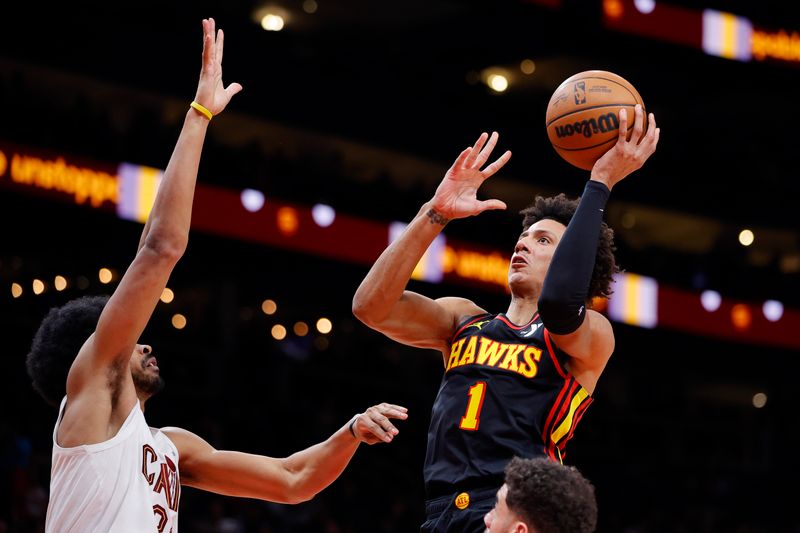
557	406
508	323
467	324
552	351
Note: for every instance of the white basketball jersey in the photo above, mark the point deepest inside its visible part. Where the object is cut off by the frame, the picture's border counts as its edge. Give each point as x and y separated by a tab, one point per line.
127	484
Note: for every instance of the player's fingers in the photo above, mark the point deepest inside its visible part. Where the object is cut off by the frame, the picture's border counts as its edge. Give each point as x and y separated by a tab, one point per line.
476	149
623	125
375	429
394	406
395	413
651	129
207	44
212	32
462	157
638	124
487	205
232	89
220	44
483	156
497	165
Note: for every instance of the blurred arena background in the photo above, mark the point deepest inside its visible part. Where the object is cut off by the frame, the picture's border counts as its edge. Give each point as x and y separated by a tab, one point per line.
351	113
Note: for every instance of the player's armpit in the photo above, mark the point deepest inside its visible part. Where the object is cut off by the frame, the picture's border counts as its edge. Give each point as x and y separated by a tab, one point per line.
423	322
592	343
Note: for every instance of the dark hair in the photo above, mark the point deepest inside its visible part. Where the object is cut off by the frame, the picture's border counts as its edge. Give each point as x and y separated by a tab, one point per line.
561	209
57	342
550	497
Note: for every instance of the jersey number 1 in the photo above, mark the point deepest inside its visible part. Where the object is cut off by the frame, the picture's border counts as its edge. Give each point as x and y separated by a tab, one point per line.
472	418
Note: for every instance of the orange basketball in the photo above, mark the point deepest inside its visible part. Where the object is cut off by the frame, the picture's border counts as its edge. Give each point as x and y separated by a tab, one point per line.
583	115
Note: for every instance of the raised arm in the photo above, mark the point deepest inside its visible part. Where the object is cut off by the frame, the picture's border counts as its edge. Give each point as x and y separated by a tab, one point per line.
164	240
585	334
381	300
293	479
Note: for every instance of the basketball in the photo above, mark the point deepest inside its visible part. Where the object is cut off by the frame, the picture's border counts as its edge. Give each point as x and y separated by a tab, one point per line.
583	115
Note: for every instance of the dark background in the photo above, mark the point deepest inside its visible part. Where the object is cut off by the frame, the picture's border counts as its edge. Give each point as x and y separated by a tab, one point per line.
672	442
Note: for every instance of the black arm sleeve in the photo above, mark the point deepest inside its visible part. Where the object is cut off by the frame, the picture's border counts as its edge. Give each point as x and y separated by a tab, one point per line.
562	304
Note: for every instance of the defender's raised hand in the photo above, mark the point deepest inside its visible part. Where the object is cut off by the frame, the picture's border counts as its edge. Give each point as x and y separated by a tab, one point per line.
627	155
374	426
211	92
456	196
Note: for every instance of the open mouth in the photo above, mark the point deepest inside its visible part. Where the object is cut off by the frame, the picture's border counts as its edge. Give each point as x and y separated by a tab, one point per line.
518	260
151	363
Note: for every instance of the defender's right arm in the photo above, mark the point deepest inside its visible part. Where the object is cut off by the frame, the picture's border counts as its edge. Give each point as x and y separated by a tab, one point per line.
381	301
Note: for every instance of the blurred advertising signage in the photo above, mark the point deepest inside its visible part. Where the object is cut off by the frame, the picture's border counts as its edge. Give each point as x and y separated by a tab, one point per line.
448	262
715	32
128	189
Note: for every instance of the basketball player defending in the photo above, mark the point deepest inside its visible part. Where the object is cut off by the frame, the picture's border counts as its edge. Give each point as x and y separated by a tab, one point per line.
111	472
515	383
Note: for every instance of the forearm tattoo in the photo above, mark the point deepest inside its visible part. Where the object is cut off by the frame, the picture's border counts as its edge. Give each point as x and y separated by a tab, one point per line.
436	218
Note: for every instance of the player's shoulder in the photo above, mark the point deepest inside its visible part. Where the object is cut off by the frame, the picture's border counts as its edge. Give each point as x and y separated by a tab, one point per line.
460	308
183	439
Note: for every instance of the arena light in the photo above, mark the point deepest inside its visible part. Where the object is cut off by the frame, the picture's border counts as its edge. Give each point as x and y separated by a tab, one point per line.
746	237
759	400
310	6
252	200
269	307
38	286
16	290
272	22
178	321
301	329
105	275
278	332
167	295
271	17
324	325
288	221
60	283
773	310
527	66
710	300
741	316
645	7
497	82
323	215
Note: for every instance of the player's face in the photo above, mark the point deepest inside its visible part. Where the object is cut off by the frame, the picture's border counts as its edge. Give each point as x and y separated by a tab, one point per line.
501	519
532	256
145	372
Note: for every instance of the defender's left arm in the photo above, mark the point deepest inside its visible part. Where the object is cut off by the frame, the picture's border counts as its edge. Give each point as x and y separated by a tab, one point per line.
293	479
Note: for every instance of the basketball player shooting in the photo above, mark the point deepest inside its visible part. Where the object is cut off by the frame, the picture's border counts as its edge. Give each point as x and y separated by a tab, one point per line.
111	472
515	383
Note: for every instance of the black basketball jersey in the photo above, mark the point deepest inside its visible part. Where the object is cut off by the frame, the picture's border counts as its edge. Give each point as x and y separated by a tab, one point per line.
505	392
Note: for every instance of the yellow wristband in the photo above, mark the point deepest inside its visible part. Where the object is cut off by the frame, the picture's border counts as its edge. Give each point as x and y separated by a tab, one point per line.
202	110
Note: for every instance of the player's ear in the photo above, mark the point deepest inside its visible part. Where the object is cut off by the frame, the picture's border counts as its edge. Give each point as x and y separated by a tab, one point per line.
522	527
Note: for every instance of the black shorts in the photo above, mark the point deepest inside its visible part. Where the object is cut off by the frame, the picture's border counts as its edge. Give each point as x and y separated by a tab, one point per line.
456	513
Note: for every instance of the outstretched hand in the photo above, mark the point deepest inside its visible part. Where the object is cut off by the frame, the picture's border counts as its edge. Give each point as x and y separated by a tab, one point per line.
456	196
374	426
627	155
211	92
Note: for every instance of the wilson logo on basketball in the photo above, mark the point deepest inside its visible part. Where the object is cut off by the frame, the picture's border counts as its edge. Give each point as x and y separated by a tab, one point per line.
587	128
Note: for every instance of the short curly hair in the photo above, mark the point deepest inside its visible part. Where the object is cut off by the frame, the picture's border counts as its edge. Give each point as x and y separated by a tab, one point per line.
550	497
57	342
561	209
